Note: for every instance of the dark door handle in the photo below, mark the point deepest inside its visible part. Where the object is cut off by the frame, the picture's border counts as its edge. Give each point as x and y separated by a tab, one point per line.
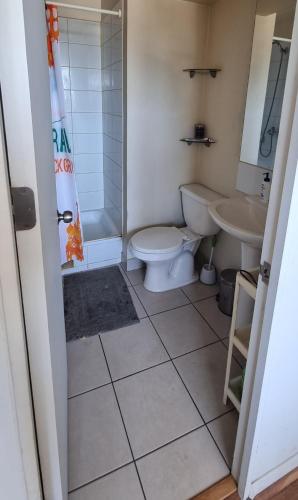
66	217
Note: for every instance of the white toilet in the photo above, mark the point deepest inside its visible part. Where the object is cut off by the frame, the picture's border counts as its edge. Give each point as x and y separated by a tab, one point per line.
168	252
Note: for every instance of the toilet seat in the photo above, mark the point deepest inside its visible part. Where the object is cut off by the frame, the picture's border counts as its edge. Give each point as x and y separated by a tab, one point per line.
158	240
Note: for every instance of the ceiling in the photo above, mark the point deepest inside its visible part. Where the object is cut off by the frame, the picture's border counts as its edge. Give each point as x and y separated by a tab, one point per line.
205	2
108	4
266	7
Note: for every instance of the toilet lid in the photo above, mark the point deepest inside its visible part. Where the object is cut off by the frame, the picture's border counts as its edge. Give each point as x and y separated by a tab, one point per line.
157	240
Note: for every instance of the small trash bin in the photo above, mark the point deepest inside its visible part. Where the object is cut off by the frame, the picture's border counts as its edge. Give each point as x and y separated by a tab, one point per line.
227	282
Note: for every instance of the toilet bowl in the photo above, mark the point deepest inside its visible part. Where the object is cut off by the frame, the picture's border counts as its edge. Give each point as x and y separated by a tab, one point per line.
168	252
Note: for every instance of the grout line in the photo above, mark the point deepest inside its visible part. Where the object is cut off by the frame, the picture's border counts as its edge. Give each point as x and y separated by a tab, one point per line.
170	442
160	312
88	390
100	477
220	338
231	410
123	423
206	322
196	406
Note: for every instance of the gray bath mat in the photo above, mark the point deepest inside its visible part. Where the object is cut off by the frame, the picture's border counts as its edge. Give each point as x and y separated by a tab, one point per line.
96	301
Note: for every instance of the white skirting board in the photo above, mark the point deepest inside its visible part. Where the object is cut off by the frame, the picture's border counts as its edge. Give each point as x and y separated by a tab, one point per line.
97	254
273	476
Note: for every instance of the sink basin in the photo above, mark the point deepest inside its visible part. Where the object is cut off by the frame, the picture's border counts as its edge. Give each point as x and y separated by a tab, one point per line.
244	219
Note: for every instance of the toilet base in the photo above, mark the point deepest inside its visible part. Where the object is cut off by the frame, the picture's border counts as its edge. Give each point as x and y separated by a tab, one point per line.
173	286
164	276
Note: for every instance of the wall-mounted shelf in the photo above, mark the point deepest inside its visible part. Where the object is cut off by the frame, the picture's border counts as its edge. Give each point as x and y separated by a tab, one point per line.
207	141
212	71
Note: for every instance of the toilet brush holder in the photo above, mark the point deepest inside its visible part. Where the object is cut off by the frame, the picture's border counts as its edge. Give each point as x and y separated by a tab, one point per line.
208	275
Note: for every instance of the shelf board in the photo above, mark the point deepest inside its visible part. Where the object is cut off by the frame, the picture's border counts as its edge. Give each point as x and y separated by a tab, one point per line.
249	287
207	141
212	71
235	391
241	340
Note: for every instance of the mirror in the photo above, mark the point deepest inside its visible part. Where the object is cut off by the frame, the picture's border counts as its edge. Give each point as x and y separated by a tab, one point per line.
266	86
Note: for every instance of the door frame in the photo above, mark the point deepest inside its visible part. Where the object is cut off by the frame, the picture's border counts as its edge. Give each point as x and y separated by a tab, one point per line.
281	197
19	470
18	81
27	116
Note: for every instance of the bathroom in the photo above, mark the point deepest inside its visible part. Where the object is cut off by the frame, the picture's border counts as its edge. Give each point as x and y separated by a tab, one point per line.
160	210
126	126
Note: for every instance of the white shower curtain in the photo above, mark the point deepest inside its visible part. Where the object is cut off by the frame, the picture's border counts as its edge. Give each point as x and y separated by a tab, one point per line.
70	234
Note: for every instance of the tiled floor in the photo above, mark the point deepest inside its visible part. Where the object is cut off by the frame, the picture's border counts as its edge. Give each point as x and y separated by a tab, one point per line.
146	418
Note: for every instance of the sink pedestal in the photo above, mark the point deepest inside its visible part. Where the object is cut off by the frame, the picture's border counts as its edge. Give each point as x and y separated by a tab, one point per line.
250	256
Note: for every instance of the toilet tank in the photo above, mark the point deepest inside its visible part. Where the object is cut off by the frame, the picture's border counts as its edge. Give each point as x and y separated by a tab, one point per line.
195	201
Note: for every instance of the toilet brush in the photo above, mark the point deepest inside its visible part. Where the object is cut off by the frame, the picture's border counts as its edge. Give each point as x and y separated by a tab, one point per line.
208	272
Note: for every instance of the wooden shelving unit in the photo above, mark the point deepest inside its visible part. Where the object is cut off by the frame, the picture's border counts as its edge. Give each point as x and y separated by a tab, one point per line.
239	339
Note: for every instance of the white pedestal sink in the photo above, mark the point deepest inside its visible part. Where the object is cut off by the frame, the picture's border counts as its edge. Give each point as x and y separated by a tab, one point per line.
244	219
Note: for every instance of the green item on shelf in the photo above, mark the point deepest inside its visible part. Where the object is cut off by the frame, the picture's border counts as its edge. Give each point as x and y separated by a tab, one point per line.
242	382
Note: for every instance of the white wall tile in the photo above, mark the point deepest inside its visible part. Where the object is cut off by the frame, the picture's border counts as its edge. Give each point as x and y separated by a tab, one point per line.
89	182
65	77
116	74
105	263
86	101
106	31
68	123
85	79
84	32
87	123
104	250
84	56
106	55
117	128
91	201
87	143
85	163
67	101
63	22
64	54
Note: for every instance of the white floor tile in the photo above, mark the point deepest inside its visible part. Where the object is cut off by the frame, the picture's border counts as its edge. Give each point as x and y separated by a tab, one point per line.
123	483
131	349
97	440
156	408
216	319
86	365
158	302
183	468
199	291
183	330
224	430
236	354
136	277
141	313
203	373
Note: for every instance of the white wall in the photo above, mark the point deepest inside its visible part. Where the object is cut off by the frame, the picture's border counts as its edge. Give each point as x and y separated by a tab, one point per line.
229	47
81	63
164	36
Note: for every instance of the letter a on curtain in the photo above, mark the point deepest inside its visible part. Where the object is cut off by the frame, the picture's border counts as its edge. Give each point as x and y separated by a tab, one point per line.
70	234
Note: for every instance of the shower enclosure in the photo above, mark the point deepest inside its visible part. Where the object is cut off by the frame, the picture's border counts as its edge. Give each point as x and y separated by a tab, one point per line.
91	60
